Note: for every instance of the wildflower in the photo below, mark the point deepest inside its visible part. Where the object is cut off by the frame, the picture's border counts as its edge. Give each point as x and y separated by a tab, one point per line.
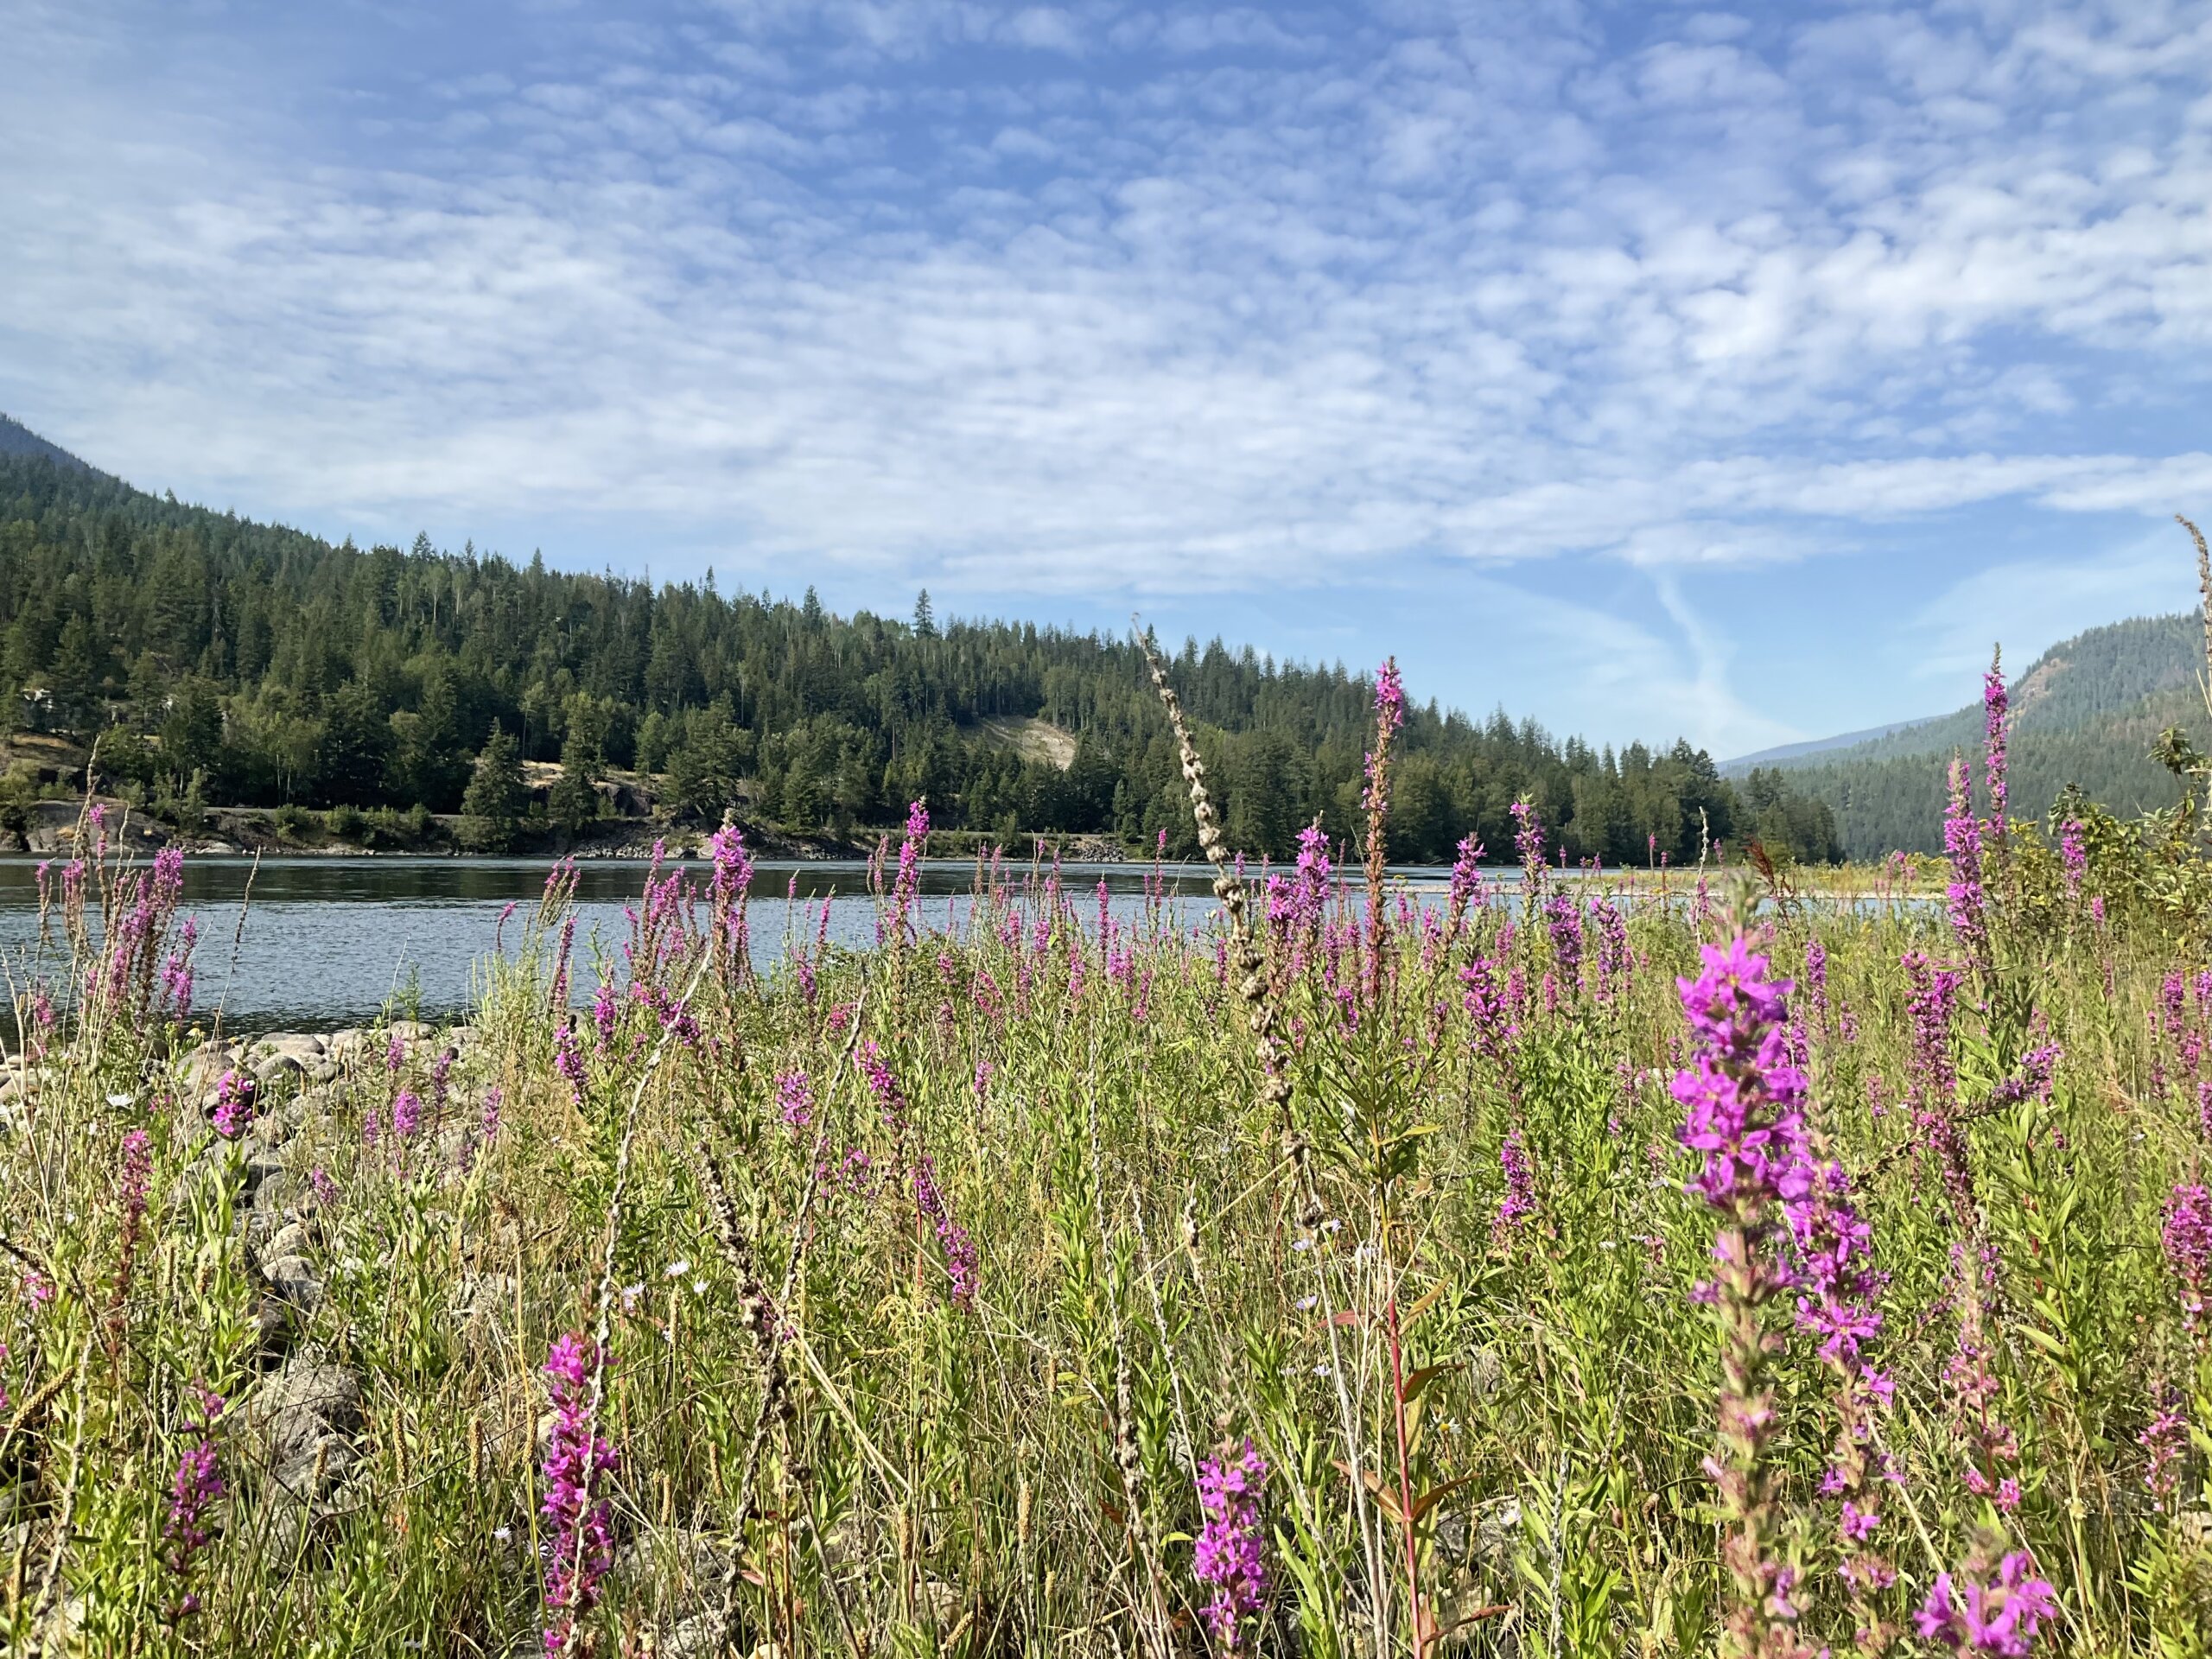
908	884
1528	841
569	1060
1228	1553
1968	1616
794	1100
578	1460
2074	859
959	1248
1565	927
1519	1202
325	1189
1466	879
493	1098
233	1112
1967	902
195	1489
2187	1237
134	1175
1993	709
2166	1440
406	1114
1745	1115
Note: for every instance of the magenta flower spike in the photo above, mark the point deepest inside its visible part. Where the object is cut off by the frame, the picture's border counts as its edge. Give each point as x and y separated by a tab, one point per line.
1228	1555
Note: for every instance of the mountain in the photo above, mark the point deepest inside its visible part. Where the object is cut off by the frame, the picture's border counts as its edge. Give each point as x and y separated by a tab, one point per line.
2084	712
222	661
17	439
1743	764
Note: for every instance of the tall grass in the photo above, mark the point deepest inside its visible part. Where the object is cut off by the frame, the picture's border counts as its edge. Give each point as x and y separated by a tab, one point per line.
1328	1281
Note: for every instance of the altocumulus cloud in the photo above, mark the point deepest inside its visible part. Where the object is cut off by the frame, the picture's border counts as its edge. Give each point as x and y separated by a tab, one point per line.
1104	299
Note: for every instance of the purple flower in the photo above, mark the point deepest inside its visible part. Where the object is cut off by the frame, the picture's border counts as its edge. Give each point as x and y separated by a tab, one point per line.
1744	1103
492	1101
1967	905
406	1114
2166	1441
325	1189
1228	1552
578	1461
134	1175
794	1100
960	1260
2074	856
195	1489
1968	1616
908	884
1466	875
1564	924
569	1060
1745	1115
1528	841
2187	1237
1519	1202
1993	707
233	1112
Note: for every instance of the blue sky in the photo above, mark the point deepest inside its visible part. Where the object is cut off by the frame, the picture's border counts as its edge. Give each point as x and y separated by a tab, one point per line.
1647	370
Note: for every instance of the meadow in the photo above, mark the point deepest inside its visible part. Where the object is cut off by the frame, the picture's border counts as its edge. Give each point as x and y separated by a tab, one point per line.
1594	1264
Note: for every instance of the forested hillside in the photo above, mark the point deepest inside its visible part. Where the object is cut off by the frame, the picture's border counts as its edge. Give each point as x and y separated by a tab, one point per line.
226	660
2086	712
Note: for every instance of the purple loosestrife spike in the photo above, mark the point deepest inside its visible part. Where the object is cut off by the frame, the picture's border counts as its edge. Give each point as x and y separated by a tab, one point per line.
1967	903
1968	1615
233	1112
2166	1442
794	1100
1229	1553
1744	1116
960	1259
1528	841
135	1173
2187	1237
578	1461
406	1114
195	1489
1519	1202
1993	704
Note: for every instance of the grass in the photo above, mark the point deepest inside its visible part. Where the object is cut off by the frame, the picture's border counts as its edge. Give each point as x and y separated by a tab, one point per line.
293	1398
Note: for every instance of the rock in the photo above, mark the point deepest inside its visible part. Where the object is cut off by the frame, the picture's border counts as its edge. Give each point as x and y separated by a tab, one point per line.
278	1069
291	1239
262	1163
293	1278
290	1411
322	1071
305	1047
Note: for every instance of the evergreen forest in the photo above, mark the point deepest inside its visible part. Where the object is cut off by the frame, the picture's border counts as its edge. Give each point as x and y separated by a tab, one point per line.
218	660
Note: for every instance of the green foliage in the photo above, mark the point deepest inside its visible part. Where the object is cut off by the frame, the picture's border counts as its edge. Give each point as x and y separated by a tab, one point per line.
492	809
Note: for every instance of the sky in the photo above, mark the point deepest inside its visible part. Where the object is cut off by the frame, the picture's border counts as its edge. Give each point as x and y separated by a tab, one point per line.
1646	369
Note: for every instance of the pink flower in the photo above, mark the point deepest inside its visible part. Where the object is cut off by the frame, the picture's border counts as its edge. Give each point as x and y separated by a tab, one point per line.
1229	1553
1968	1616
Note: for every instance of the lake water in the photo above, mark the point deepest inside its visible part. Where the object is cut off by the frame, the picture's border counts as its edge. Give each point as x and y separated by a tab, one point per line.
330	942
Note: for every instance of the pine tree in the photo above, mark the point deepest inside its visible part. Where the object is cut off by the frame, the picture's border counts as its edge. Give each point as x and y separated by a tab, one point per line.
492	810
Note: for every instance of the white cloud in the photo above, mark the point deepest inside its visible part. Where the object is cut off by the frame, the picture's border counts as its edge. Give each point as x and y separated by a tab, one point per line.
1060	299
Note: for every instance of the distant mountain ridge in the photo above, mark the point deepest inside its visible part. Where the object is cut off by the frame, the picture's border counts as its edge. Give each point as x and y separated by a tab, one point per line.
1782	753
2086	711
17	439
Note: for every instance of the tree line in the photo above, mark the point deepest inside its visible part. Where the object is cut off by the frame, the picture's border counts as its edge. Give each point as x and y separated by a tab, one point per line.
219	660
